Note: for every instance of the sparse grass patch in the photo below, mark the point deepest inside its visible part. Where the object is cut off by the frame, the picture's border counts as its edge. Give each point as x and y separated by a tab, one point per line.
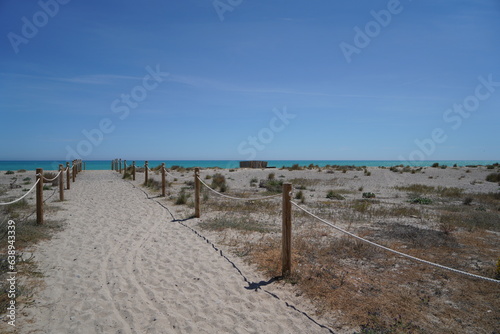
236	222
182	198
219	181
9	172
273	186
493	177
332	194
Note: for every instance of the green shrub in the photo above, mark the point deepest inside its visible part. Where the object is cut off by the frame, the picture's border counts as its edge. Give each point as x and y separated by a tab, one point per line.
334	195
181	198
9	172
219	181
435	165
421	200
368	195
274	186
493	177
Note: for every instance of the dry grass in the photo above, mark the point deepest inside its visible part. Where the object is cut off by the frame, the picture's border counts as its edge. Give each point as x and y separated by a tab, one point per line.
375	291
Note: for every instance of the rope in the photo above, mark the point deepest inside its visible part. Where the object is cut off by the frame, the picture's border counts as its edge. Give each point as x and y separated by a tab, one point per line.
395	251
50	180
17	200
166	171
237	198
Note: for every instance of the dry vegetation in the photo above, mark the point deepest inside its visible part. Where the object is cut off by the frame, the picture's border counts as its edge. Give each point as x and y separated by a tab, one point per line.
28	233
353	284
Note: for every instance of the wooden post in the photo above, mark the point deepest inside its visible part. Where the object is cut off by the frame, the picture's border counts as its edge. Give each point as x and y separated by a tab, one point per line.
133	170
286	235
39	196
124	166
163	183
84	165
145	172
68	172
61	183
73	172
112	164
197	192
120	163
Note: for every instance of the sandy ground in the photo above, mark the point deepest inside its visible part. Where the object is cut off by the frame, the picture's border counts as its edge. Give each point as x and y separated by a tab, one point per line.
122	265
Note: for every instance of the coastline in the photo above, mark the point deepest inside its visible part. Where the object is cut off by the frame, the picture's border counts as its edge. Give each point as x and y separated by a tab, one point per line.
31	165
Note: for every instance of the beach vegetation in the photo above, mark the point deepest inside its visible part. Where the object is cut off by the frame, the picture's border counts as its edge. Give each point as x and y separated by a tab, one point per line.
368	195
21	170
50	176
236	222
9	172
273	186
271	176
219	182
182	198
332	194
493	177
420	200
435	165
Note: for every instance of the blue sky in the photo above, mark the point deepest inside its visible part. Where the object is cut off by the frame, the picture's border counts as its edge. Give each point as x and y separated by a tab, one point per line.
240	79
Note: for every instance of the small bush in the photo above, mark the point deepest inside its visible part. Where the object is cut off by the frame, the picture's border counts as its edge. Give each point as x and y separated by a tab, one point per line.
274	186
493	177
421	200
271	176
9	172
368	195
181	198
435	165
219	181
21	171
50	175
295	167
333	195
467	201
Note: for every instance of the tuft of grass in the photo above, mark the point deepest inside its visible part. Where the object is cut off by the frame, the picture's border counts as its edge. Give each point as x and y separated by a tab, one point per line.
273	186
368	195
182	198
9	172
21	171
493	177
334	195
153	184
50	175
420	200
219	181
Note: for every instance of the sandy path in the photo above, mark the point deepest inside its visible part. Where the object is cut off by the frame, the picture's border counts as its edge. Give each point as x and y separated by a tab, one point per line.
122	265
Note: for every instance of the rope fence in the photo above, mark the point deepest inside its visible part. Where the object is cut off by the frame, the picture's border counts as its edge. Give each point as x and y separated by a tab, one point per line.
77	167
287	204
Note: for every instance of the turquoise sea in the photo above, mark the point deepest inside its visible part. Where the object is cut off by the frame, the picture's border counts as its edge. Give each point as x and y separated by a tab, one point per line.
106	164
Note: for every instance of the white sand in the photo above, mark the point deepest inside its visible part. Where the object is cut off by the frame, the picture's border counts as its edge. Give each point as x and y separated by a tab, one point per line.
121	265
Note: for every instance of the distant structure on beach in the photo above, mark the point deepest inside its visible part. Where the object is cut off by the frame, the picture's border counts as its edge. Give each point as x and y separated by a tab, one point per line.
253	164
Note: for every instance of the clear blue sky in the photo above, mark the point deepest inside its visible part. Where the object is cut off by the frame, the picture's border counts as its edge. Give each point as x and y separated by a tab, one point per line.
362	80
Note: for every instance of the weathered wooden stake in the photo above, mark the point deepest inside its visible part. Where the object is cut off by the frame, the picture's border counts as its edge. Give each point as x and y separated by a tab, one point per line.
133	170
124	166
145	172
68	172
73	172
61	183
163	181
286	236
39	196
197	192
120	163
